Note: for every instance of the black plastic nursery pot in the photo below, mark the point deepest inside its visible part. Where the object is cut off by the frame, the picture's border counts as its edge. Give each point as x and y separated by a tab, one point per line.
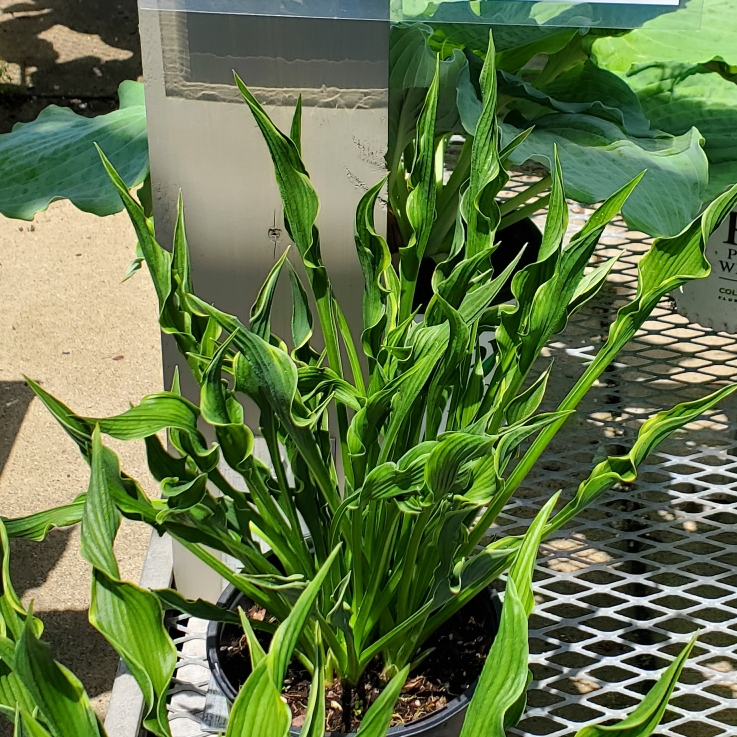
522	234
444	722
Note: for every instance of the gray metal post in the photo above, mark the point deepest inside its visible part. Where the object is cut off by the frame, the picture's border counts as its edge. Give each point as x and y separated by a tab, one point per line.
204	142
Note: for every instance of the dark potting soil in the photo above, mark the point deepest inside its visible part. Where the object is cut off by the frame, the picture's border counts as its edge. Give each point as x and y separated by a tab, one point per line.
460	648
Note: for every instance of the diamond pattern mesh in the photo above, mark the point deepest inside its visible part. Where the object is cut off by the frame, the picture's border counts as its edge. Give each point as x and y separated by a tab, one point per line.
622	588
626	584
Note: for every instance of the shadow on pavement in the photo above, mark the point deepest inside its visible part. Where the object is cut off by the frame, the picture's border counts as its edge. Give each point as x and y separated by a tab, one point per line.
15	396
74	642
66	52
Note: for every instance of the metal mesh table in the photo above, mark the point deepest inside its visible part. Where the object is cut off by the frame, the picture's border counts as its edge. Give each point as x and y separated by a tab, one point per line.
622	588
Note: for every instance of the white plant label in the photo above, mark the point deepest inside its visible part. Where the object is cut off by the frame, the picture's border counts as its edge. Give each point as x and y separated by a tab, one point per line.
713	301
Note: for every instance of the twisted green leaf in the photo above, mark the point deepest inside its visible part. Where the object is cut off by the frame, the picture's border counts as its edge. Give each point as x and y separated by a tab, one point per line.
644	720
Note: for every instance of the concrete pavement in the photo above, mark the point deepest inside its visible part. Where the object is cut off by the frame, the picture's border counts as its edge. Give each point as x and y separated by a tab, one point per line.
67	321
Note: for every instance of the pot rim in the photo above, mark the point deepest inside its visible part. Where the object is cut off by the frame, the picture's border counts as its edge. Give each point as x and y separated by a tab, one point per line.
417	727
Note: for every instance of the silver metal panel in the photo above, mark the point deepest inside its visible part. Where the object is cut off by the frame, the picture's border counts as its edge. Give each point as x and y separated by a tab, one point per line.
204	142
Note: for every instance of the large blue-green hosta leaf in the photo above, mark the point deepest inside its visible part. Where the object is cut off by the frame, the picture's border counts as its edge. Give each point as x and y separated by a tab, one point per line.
599	92
598	158
603	136
54	157
664	39
677	96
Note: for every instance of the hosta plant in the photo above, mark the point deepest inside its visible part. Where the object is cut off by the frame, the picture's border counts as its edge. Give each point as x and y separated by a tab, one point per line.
44	699
436	416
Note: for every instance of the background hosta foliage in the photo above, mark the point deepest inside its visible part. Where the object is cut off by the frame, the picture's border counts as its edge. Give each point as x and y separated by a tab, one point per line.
685	79
54	157
596	121
614	103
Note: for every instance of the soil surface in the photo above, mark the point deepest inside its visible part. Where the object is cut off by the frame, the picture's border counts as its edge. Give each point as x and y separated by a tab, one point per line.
460	648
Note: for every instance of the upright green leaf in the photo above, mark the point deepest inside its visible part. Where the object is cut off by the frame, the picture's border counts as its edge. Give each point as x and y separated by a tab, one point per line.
255	651
10	604
56	691
158	259
180	263
314	724
132	621
482	213
526	403
298	195
301	321
644	720
378	717
421	199
261	309
524	562
556	222
13	694
504	678
288	632
258	709
375	260
295	132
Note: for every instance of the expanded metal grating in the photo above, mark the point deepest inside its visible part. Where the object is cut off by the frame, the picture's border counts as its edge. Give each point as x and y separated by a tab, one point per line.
622	588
